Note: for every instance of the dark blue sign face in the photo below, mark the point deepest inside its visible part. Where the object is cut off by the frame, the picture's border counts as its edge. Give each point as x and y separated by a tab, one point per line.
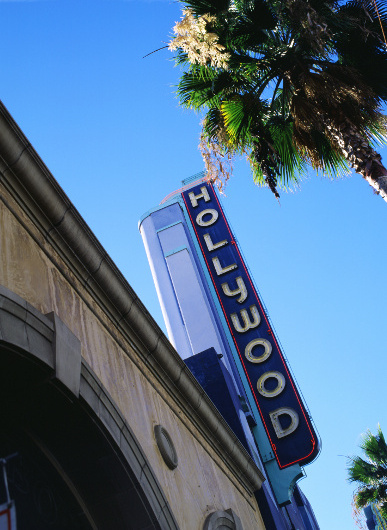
283	414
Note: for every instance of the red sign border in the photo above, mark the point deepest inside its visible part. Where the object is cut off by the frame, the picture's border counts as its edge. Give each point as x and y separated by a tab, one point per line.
302	407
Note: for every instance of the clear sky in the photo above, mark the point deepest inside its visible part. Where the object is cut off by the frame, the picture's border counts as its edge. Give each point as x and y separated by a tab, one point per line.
106	123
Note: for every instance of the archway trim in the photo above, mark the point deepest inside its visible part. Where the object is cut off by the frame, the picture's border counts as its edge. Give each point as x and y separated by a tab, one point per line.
46	339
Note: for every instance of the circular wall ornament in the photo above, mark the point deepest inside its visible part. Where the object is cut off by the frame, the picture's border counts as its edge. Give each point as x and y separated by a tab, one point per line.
166	447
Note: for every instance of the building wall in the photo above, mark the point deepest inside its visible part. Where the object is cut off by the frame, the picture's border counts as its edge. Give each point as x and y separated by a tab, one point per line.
44	259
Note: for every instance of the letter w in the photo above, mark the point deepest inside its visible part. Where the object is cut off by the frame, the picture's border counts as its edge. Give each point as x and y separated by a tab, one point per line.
247	323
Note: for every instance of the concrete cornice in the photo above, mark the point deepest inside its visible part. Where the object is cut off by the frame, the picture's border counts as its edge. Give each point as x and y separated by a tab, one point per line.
26	177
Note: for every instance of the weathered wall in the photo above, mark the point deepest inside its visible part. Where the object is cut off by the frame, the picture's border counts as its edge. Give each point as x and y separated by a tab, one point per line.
33	266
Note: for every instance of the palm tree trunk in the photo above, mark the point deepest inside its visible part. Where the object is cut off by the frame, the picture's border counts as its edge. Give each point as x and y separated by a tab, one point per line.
379	184
357	151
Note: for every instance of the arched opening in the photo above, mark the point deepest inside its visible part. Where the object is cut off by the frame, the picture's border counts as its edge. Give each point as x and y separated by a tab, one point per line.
68	472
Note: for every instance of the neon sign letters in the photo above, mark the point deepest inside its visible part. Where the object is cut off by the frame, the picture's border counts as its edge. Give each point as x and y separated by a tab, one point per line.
283	414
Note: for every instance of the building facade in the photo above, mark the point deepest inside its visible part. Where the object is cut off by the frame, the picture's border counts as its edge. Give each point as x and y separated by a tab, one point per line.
103	424
217	322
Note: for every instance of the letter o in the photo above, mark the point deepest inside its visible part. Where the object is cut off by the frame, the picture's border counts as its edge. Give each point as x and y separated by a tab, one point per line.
271	393
214	216
258	342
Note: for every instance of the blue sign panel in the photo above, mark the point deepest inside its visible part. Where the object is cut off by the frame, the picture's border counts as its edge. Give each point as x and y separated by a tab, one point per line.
283	414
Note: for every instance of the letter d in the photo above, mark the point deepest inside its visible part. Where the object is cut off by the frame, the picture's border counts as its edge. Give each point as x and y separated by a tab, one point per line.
294	421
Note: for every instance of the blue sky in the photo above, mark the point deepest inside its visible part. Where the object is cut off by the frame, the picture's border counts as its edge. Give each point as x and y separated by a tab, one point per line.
106	123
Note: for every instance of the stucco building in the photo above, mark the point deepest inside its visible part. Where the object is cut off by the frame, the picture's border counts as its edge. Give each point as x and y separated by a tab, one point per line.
103	425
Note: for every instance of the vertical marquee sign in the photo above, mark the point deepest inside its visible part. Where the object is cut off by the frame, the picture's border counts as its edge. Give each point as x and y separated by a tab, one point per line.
283	414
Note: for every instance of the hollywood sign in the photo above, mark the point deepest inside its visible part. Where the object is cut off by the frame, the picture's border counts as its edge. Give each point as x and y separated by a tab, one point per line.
286	421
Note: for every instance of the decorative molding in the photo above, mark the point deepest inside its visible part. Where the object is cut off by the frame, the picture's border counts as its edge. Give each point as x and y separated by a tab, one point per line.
166	446
222	520
67	352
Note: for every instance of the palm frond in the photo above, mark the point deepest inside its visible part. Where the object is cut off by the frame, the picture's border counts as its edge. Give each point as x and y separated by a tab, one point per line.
202	7
292	165
365	496
237	121
370	474
375	447
322	65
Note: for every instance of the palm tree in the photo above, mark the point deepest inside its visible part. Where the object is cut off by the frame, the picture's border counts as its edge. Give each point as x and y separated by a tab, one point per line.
371	474
287	83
